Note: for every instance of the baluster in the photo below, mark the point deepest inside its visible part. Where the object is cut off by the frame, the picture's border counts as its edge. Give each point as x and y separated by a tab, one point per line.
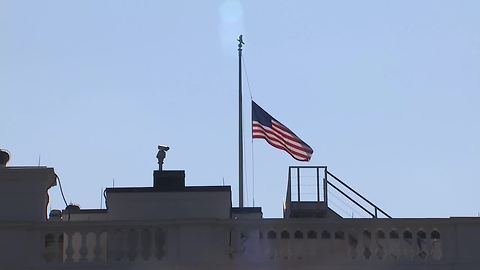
132	242
352	238
146	243
97	251
159	244
59	247
54	247
83	247
69	249
49	247
117	244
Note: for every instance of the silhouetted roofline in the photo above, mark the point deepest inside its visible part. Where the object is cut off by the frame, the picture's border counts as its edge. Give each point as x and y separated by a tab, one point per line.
246	210
185	189
85	211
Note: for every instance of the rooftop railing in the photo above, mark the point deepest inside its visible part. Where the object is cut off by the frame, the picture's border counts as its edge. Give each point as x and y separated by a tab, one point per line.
322	183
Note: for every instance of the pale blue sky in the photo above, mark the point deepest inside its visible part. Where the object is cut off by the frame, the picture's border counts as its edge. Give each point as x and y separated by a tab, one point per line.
386	93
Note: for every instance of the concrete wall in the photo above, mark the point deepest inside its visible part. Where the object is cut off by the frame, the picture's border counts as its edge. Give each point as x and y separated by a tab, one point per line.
168	205
19	247
85	215
23	193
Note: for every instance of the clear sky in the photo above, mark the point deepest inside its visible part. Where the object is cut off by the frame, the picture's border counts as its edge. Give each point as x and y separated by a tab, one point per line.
387	94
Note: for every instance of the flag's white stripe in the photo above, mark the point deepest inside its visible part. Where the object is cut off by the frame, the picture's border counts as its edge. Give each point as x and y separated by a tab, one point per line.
287	142
288	137
294	143
282	129
274	135
279	145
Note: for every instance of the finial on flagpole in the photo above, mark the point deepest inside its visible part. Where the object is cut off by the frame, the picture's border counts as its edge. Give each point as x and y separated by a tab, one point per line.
240	42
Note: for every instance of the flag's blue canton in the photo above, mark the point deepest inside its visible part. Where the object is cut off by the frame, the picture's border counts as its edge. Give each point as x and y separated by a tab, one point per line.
261	116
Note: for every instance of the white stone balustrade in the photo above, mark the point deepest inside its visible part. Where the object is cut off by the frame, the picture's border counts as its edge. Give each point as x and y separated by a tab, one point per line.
72	243
230	244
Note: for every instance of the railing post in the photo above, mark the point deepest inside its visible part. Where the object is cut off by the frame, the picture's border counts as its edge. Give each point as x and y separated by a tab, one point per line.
298	183
325	194
318	184
289	186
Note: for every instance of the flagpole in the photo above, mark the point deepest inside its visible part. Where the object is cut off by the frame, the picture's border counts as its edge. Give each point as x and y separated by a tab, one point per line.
240	124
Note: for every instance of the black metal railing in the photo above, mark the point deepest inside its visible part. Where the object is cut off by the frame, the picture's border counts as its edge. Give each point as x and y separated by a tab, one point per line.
323	180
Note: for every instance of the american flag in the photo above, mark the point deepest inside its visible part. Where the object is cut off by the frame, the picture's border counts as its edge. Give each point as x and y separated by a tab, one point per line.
264	126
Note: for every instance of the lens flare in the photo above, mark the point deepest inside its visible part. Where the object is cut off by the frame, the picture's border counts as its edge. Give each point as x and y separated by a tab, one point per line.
230	25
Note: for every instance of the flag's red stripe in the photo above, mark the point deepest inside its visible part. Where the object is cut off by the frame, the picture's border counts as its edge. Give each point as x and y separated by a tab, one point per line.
287	133
286	142
278	127
297	144
273	143
294	143
289	138
274	139
280	143
282	126
294	155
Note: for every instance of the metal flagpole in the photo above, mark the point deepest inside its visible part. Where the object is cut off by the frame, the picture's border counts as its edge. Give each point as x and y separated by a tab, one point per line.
240	124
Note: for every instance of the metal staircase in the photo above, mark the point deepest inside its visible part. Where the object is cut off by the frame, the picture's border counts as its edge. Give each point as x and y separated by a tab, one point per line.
314	202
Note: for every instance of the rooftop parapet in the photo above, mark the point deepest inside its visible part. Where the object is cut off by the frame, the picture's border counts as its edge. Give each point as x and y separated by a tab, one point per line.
23	192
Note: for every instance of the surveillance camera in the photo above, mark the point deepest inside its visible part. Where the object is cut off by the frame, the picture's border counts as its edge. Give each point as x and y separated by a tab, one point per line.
163	147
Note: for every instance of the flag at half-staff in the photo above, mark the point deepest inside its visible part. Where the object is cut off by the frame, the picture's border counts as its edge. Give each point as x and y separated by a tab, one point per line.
264	126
